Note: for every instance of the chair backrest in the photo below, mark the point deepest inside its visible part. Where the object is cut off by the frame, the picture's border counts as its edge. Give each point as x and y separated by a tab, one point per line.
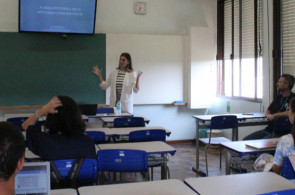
87	174
287	169
98	137
147	135
282	126
129	122
105	110
224	122
122	160
18	121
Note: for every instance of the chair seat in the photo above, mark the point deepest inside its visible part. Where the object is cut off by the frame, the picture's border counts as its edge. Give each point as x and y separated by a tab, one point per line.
215	140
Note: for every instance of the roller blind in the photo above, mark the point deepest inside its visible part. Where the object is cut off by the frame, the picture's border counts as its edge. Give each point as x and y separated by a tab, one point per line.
288	33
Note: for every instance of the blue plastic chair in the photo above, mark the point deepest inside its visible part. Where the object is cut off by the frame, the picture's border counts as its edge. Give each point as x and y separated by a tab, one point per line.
18	121
105	110
281	126
87	174
149	135
98	137
122	160
129	122
218	122
287	169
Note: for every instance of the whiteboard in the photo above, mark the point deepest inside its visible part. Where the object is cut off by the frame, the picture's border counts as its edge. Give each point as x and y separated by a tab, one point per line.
159	57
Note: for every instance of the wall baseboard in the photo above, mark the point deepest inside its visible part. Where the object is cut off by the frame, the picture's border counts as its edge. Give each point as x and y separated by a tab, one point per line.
181	141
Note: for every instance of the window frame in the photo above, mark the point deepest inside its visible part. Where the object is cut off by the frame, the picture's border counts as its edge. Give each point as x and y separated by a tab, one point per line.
220	52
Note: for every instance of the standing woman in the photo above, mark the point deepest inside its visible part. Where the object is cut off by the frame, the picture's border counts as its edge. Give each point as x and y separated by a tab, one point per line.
286	145
123	82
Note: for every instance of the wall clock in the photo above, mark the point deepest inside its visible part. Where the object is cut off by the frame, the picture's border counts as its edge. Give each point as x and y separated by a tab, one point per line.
140	8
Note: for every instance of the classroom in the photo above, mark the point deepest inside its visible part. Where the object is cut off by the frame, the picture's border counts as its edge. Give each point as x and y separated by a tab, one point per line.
175	43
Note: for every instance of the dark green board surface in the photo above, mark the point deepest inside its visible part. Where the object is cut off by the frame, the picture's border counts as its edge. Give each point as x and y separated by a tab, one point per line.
34	67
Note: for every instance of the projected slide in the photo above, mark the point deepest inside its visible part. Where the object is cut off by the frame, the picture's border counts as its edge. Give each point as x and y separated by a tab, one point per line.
64	16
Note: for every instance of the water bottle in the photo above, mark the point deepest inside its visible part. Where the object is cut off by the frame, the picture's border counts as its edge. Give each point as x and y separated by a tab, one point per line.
118	105
228	106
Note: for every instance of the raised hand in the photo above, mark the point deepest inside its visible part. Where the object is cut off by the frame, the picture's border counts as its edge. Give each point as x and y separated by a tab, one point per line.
50	107
138	75
96	70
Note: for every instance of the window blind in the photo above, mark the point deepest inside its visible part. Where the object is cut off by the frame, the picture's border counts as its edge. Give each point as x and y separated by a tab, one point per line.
228	47
236	62
288	33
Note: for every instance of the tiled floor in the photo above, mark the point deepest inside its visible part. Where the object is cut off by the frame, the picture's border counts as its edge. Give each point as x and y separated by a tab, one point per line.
185	158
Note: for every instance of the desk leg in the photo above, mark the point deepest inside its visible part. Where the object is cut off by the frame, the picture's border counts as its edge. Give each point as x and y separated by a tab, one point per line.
196	169
235	134
164	167
227	163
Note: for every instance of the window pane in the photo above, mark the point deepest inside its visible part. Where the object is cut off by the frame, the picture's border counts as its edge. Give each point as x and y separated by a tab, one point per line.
248	50
236	84
228	48
248	77
259	77
242	74
259	51
236	77
228	78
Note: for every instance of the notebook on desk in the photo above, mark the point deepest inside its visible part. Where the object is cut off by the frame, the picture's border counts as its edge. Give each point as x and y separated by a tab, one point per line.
34	178
262	145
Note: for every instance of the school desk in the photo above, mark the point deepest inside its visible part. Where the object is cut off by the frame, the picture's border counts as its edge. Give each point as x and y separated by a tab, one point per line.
160	187
239	148
241	184
246	119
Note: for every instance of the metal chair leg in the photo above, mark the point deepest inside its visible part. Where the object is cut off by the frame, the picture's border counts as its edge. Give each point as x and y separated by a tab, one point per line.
152	173
206	160
146	176
220	150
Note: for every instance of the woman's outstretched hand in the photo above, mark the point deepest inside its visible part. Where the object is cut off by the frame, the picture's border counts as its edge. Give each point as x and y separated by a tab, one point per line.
139	74
96	70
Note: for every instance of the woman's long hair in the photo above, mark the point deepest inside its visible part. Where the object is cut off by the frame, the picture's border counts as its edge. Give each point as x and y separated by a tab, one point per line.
67	121
129	67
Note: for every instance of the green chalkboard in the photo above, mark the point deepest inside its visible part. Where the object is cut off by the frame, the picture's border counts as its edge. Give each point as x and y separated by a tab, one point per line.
34	67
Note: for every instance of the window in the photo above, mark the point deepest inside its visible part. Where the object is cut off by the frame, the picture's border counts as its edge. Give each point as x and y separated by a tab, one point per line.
239	43
284	35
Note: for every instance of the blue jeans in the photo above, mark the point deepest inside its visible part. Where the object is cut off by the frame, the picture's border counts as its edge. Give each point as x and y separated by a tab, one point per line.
261	134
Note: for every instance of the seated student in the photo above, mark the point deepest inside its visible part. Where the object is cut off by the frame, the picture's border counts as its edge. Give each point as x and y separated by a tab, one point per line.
12	150
65	138
286	145
277	108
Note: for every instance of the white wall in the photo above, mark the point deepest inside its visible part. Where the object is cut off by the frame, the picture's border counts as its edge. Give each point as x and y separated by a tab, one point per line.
168	17
164	17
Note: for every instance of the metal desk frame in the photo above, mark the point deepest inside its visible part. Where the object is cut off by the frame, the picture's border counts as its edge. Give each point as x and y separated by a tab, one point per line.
203	121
